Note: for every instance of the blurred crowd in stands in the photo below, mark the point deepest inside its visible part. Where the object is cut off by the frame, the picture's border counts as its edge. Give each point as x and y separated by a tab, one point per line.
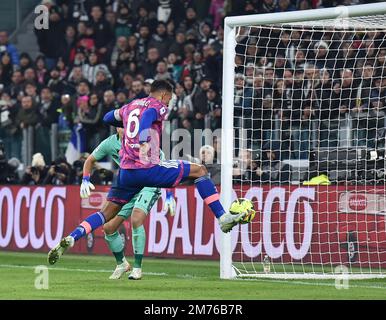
98	55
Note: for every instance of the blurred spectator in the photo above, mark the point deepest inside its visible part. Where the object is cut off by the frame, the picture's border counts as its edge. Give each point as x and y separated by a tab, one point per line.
16	85
200	103
244	167
120	53
150	65
122	98
8	168
127	81
10	49
36	173
40	70
48	108
206	33
69	43
83	88
74	78
147	86
217	11
207	154
138	90
51	40
174	67
91	69
177	46
6	69
102	32
267	6
56	83
143	39
90	116
28	114
67	113
213	65
272	169
102	176
344	93
284	6
109	102
25	61
9	132
59	173
162	72
191	23
102	82
125	22
160	40
78	172
214	107
30	77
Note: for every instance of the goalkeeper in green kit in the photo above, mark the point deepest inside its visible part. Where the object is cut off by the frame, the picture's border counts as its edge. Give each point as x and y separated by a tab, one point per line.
138	208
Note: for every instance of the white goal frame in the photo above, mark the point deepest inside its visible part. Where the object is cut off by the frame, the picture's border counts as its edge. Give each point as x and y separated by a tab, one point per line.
227	271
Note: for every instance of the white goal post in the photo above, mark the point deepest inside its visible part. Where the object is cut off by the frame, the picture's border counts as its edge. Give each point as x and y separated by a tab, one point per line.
346	221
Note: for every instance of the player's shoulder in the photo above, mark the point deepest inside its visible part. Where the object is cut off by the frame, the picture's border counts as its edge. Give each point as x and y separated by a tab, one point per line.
112	138
158	105
109	141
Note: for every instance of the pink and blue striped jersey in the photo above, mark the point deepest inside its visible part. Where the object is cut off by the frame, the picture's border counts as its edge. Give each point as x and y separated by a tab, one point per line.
131	116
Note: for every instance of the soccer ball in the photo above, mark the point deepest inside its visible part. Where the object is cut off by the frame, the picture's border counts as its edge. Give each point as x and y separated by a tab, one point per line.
243	205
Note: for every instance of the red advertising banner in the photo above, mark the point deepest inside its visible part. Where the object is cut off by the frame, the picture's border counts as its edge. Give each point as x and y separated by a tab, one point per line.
320	225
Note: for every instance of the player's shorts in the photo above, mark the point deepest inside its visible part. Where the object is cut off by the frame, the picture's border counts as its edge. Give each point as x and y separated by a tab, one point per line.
129	182
143	200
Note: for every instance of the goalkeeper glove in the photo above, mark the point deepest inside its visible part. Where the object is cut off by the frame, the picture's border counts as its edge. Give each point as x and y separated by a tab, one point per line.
86	187
170	203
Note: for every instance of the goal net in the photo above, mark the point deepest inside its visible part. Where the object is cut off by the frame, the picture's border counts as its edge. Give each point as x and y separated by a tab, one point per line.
304	119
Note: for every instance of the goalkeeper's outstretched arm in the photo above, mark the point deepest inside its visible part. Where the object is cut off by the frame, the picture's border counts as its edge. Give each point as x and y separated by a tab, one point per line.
89	165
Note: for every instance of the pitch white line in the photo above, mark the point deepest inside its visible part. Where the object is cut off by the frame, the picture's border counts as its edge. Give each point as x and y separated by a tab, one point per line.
77	270
187	276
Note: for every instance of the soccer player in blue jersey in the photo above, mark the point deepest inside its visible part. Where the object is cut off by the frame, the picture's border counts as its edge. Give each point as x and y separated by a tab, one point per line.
140	166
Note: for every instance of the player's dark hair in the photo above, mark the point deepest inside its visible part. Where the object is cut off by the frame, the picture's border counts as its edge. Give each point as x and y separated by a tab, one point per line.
161	85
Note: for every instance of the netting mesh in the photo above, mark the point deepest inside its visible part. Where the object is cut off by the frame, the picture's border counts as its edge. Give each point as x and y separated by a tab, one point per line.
309	121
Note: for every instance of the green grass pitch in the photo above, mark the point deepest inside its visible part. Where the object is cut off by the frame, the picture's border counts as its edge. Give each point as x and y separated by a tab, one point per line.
86	277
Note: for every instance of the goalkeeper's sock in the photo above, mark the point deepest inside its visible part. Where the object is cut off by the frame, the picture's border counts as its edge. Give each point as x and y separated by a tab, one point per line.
91	223
116	246
209	194
139	240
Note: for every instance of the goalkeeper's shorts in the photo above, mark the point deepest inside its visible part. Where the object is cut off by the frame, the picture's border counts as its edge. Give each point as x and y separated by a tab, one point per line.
129	182
144	200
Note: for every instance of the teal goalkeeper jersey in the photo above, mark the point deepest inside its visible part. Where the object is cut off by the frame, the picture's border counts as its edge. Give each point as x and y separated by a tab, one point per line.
111	147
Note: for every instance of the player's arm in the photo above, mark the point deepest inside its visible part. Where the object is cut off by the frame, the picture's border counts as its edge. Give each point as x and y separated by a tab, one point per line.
113	118
99	153
89	165
87	186
147	119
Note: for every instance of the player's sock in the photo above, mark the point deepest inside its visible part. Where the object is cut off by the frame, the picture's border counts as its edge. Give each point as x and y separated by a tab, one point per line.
139	240
91	223
209	194
116	246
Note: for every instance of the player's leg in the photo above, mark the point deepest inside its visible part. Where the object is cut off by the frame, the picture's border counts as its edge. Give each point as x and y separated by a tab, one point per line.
138	237
208	192
117	197
91	223
171	173
116	243
144	202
